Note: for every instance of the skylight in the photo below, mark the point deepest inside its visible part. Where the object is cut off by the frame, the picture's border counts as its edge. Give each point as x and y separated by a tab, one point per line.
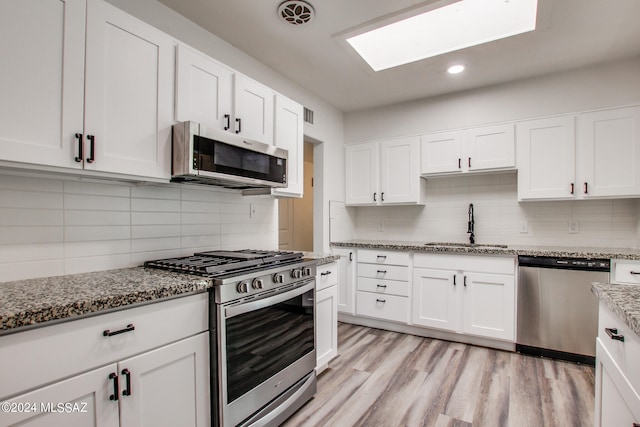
456	26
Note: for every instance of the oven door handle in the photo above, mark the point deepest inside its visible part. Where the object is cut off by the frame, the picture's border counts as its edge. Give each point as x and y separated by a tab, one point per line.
266	302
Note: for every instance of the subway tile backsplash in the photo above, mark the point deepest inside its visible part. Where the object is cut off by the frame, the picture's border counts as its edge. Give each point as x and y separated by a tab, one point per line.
499	217
50	227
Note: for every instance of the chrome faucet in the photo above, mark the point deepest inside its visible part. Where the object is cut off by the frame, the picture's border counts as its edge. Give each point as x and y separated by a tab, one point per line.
470	225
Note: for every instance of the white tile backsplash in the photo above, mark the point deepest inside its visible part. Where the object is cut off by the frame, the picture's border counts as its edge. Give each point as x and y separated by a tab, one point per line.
499	215
51	227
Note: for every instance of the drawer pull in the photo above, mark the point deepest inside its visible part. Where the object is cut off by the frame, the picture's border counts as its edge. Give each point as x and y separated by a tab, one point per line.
108	333
381	300
325	273
116	390
635	273
613	334
127	375
454	280
381	256
382	271
381	286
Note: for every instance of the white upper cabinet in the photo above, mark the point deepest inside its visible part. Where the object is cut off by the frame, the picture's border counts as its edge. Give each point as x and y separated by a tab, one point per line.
362	174
289	134
253	109
546	159
42	84
470	150
441	152
601	159
489	147
108	112
203	89
384	172
609	152
129	96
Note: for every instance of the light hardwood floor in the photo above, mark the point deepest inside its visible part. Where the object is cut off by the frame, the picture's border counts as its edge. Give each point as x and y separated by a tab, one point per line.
383	378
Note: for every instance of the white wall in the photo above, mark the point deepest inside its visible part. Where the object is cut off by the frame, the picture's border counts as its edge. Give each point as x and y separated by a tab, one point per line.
50	226
498	214
328	124
597	87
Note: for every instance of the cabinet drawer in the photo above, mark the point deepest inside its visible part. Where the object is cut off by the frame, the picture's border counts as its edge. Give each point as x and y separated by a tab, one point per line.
625	272
326	275
387	307
383	257
625	354
384	287
49	353
389	272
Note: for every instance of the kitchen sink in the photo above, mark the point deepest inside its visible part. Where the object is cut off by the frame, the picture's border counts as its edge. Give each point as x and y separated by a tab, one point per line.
466	245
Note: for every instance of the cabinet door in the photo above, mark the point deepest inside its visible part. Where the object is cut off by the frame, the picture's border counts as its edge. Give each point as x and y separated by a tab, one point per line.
489	305
346	280
435	298
362	175
85	400
617	403
129	94
490	147
253	110
168	386
441	152
400	171
289	134
326	326
546	159
203	89
609	152
42	84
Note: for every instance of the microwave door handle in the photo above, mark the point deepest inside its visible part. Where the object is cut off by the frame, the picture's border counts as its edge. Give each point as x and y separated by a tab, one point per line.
266	302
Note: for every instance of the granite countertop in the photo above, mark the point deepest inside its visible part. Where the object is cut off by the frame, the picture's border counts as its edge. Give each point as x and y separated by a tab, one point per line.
554	251
25	303
624	300
29	302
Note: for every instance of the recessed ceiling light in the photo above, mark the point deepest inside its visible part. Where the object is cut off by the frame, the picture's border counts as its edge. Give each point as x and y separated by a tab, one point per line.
455	69
456	26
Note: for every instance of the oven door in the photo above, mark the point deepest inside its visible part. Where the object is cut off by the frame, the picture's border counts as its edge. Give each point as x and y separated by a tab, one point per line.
266	346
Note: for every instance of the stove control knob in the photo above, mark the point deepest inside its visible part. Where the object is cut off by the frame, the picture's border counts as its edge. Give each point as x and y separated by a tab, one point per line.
257	284
296	274
278	278
243	287
306	271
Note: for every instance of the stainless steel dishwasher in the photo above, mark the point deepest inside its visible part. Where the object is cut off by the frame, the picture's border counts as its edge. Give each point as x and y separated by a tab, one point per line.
557	312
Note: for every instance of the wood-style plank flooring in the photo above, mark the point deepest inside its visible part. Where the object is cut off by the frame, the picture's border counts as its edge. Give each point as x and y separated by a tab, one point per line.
383	378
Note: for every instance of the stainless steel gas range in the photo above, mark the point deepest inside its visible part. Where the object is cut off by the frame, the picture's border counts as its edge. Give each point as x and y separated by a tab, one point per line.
261	321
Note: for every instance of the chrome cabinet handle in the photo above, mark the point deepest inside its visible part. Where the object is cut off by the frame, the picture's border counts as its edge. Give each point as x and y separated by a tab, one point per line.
613	334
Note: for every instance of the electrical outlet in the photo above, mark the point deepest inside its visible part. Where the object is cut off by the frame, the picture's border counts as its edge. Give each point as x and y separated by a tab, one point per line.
380	225
524	227
574	226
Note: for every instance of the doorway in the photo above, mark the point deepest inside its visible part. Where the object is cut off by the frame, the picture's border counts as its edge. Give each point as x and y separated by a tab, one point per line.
295	216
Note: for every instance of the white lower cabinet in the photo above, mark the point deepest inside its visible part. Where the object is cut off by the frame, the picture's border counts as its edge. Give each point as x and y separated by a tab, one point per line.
472	295
326	314
346	279
617	385
152	372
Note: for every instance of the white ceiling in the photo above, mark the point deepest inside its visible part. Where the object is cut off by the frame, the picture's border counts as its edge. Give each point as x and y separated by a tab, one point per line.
569	34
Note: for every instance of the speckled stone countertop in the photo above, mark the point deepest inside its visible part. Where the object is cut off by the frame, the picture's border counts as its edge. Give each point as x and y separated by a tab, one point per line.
321	258
34	301
554	251
25	303
624	300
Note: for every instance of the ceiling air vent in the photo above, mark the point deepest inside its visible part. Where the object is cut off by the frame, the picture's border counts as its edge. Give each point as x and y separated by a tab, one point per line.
296	12
308	116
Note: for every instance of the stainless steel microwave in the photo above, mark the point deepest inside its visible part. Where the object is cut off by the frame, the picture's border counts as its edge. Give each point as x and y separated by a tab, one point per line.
217	157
